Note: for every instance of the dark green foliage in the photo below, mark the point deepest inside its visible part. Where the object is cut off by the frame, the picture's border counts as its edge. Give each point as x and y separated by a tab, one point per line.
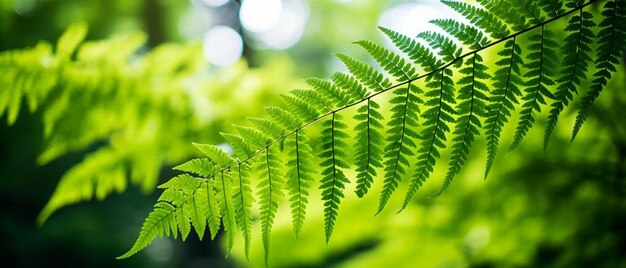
448	49
471	111
468	35
612	40
481	18
541	68
504	96
505	11
576	58
420	54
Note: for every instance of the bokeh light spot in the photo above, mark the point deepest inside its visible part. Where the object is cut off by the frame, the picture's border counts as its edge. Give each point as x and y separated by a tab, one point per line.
222	46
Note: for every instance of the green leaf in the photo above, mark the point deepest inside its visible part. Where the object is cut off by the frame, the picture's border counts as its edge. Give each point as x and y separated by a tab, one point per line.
332	155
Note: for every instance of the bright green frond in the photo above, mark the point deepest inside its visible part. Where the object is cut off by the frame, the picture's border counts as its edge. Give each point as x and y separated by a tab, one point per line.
437	116
420	54
391	62
271	184
217	155
368	152
299	177
332	156
468	35
401	139
350	83
225	191
243	200
201	166
481	18
372	79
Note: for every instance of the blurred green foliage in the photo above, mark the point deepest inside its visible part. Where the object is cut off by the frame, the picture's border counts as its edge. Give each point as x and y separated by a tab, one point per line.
562	208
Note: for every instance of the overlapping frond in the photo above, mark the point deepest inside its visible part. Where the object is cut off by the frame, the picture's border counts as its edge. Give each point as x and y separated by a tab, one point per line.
333	160
504	96
299	177
401	139
576	53
611	42
461	94
473	96
438	114
271	185
541	69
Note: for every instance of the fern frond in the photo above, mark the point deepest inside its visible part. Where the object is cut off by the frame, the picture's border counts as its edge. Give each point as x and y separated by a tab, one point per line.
314	99
219	157
612	40
70	40
271	184
302	110
468	35
372	79
173	215
283	117
160	222
338	96
253	137
368	154
553	8
332	155
471	111
503	10
541	67
350	83
448	50
79	183
420	54
481	18
299	177
530	9
272	129
243	200
389	61
193	208
401	139
575	64
241	148
439	110
438	114
201	166
504	96
227	210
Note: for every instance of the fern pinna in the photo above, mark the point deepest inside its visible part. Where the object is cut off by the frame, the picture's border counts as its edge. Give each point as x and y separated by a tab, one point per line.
443	92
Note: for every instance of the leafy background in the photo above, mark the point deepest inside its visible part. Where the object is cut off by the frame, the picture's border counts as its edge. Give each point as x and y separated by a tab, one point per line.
560	208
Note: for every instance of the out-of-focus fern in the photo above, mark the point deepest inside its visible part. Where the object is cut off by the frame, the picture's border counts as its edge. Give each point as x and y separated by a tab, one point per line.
132	111
440	92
